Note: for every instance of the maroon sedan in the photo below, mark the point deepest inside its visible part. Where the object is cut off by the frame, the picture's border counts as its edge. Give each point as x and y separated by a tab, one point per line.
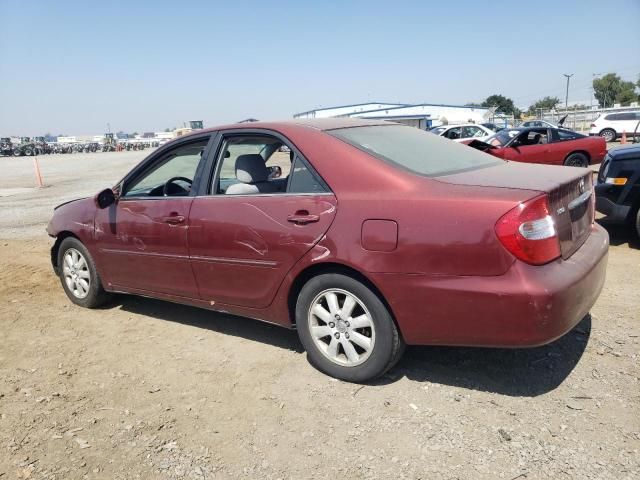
364	236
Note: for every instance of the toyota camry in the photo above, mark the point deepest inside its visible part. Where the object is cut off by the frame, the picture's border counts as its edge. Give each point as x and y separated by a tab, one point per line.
362	235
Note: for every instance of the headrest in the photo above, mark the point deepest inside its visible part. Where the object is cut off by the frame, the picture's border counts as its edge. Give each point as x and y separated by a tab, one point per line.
250	168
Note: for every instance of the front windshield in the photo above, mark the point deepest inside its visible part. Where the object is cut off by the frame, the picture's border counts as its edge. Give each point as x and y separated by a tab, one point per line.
414	149
501	138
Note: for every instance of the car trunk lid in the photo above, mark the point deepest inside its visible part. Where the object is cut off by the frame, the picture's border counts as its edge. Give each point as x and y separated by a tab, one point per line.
569	191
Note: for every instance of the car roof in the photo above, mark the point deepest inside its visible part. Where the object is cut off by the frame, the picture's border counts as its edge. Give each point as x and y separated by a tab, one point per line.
315	123
463	125
318	124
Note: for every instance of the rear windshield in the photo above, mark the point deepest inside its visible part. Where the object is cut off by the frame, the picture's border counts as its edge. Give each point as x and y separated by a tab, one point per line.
414	149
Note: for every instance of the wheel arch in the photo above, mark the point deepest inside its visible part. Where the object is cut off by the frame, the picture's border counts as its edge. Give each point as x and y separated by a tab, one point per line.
331	267
608	128
55	249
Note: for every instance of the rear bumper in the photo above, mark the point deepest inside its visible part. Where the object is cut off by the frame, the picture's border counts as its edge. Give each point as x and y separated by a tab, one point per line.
528	306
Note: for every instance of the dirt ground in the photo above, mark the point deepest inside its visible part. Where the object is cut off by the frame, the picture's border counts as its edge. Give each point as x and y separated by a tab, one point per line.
148	389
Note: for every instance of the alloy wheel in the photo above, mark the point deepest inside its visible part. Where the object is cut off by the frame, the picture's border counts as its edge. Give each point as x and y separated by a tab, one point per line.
76	273
341	327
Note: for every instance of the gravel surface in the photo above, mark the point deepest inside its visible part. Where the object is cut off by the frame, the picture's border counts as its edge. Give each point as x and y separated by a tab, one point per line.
148	389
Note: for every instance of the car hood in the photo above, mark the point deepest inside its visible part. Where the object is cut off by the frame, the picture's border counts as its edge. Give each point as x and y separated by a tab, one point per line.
516	175
68	202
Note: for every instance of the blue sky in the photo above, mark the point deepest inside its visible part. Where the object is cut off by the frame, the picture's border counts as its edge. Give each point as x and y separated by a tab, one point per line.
72	66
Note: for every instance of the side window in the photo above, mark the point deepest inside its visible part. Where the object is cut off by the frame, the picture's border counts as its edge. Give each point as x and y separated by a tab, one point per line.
532	137
565	135
170	175
453	134
303	180
470	132
252	165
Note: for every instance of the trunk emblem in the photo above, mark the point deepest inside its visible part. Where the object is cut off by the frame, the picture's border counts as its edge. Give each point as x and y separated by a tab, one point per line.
581	185
560	211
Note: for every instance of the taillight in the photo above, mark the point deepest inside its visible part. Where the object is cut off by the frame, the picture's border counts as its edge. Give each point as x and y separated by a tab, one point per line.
529	232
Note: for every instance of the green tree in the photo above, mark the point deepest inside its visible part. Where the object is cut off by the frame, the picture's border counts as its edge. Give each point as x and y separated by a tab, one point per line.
612	89
546	103
502	104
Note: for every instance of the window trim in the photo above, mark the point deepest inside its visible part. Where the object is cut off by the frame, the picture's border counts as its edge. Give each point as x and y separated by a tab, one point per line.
211	169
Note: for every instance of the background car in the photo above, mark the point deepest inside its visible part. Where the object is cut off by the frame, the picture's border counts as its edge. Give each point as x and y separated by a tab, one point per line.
544	124
492	126
611	125
551	146
367	241
618	187
460	133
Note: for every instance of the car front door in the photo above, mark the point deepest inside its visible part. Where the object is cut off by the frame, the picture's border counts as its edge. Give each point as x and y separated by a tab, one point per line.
531	146
142	238
243	241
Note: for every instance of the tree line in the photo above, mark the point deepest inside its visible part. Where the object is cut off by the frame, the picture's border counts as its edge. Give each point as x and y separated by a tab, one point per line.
607	90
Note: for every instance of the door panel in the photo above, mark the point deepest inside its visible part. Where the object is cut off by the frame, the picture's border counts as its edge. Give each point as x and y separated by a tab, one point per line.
142	244
242	246
528	154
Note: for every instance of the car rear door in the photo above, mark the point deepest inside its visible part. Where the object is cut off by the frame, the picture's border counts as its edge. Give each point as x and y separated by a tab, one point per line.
241	246
142	238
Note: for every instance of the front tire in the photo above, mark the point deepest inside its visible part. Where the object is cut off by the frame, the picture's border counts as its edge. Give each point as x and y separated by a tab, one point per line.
577	160
346	329
608	134
78	274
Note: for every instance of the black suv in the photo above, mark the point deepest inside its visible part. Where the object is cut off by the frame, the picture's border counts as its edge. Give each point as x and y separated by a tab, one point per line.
618	187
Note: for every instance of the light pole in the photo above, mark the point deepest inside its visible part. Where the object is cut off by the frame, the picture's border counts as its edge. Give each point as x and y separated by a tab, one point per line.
108	127
566	98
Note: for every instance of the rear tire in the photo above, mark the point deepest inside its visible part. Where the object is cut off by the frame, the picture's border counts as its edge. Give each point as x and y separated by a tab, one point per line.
78	275
577	160
346	329
609	134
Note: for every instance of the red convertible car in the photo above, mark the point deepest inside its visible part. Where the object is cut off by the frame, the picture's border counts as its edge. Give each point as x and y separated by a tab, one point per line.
363	235
551	146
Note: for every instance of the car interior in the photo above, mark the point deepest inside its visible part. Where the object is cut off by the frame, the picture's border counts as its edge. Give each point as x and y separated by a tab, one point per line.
252	165
171	176
532	137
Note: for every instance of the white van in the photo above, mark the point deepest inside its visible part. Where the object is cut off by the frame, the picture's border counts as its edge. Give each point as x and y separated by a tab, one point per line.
611	125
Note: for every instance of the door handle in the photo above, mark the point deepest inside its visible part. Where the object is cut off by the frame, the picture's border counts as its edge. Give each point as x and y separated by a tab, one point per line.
174	219
302	217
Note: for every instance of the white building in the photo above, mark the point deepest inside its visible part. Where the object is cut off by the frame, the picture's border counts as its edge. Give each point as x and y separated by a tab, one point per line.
345	110
422	116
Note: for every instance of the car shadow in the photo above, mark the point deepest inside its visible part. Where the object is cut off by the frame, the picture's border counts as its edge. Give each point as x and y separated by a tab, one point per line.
619	234
523	372
511	372
226	324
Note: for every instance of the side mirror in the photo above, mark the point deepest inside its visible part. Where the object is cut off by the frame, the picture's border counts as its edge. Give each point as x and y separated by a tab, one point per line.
275	172
105	198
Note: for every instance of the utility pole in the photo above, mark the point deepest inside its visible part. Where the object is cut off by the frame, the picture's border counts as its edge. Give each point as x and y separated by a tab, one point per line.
593	77
566	98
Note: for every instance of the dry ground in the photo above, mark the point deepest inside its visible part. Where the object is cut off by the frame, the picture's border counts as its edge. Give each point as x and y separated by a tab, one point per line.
147	389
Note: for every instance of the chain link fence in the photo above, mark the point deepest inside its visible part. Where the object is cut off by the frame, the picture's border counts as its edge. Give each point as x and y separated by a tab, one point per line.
580	120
